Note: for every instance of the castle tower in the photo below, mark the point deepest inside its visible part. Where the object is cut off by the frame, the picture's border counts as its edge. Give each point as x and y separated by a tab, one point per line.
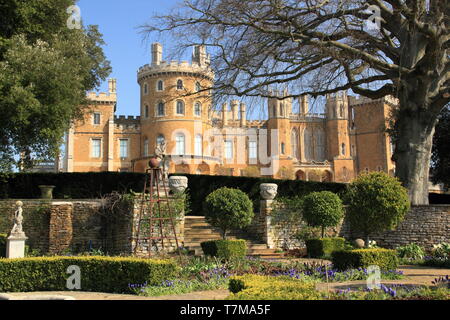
338	139
171	109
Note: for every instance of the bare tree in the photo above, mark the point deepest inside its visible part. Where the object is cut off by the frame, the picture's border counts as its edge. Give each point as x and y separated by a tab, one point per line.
319	47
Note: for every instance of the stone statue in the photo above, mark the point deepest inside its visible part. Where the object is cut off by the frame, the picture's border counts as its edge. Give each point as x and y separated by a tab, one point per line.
160	153
18	219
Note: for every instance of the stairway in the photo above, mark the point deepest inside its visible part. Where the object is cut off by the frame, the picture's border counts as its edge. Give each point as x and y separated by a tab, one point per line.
197	230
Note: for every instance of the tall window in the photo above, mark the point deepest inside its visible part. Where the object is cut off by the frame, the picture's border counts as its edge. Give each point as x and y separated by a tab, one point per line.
96	148
308	144
160	85
146	111
145	88
228	149
180	85
180	144
96	118
198	87
160	140
343	149
198	150
145	147
252	149
294	144
161	109
198	109
283	148
180	107
123	148
320	145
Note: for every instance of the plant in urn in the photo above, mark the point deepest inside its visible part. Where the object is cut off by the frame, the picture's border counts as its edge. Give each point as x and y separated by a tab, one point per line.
268	191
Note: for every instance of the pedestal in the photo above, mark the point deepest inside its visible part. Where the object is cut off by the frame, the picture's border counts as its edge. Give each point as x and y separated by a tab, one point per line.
15	246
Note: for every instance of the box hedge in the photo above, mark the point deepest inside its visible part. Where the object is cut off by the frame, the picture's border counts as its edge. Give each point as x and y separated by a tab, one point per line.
256	287
362	258
317	248
98	274
225	249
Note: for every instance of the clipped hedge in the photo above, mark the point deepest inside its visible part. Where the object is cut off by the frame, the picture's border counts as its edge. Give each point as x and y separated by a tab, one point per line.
362	258
3	238
317	248
225	249
98	274
255	287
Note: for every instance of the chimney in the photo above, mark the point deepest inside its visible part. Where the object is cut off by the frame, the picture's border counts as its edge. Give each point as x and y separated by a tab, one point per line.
156	53
224	114
234	109
112	84
304	105
243	115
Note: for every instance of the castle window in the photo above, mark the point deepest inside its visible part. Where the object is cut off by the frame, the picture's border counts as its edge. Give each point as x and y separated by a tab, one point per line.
274	110
160	85
180	107
308	144
146	147
160	140
145	88
341	110
123	148
180	144
198	145
252	150
283	148
180	85
161	109
343	149
96	118
198	87
146	111
319	147
228	149
198	109
353	153
281	109
294	144
96	148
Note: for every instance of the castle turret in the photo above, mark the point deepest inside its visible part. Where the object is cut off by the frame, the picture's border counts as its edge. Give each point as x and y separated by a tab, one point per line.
156	54
304	105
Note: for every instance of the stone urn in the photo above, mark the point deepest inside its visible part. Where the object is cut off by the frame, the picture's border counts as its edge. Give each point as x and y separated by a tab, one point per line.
46	192
154	163
178	184
268	191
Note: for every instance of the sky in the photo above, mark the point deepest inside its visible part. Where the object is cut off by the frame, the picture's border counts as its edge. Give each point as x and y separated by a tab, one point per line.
119	23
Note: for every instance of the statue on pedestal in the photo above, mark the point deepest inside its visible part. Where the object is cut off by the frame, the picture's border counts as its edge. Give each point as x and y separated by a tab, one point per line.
160	153
18	219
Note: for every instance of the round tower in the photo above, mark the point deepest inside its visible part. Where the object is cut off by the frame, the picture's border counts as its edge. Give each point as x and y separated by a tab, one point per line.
174	106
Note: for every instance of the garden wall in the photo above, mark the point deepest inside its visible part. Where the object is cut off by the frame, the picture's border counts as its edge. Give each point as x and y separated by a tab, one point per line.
423	225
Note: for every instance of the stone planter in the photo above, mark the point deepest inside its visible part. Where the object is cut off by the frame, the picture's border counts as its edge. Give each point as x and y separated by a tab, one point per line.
47	192
178	184
268	191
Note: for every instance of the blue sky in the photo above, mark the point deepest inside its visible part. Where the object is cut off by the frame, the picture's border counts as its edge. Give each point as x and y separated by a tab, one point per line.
125	48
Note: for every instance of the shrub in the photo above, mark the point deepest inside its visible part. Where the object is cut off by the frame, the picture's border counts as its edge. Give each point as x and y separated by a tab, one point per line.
3	238
322	209
411	251
225	249
228	208
376	203
255	287
441	251
362	258
100	274
323	247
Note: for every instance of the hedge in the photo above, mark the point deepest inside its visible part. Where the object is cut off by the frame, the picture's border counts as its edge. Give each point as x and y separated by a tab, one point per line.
3	238
225	249
98	274
255	287
362	258
317	248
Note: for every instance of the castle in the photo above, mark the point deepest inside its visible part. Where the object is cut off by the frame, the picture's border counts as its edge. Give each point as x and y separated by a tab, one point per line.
176	108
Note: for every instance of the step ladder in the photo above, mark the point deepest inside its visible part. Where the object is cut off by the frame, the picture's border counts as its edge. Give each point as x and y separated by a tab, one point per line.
156	220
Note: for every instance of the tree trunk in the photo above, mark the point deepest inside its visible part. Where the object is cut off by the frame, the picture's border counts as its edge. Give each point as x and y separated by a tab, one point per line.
414	141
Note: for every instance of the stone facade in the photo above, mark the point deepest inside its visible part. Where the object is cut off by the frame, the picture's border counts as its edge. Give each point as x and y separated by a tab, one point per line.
423	225
176	107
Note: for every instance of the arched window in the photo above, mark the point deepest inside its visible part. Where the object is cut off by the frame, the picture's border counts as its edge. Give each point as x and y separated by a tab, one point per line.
145	147
283	148
198	150
281	110
294	144
160	85
197	109
198	87
161	109
343	149
146	111
145	88
308	144
320	145
180	144
160	140
180	107
180	85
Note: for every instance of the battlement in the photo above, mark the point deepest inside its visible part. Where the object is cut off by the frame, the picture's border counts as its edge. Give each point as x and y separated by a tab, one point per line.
127	119
175	66
353	101
102	97
308	117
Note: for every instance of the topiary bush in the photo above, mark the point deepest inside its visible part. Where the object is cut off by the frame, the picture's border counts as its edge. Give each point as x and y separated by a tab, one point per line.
376	203
322	209
225	249
362	258
3	238
323	247
228	208
99	274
